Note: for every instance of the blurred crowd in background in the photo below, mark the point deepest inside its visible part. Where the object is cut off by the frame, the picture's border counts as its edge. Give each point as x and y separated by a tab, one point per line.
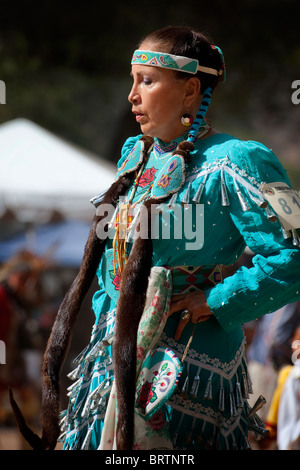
31	289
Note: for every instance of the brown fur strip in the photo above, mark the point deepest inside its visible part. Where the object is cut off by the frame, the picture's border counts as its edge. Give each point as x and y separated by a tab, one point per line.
61	332
67	314
132	297
33	439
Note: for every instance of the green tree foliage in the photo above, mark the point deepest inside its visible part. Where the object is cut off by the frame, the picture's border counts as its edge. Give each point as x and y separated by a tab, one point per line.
66	66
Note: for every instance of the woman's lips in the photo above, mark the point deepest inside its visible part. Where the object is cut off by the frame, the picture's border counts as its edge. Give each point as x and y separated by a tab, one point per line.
138	116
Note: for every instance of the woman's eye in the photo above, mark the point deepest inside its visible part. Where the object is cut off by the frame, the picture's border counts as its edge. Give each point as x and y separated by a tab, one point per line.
147	81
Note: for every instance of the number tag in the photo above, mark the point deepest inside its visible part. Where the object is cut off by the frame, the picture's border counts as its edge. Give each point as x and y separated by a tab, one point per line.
285	202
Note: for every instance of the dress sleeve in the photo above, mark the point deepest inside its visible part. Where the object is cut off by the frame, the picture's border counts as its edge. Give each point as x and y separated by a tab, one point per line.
126	149
273	280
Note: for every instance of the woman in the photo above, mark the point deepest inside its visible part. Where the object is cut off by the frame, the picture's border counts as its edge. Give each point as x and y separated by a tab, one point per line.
154	289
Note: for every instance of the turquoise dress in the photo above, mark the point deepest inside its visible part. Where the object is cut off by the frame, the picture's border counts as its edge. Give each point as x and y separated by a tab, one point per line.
209	409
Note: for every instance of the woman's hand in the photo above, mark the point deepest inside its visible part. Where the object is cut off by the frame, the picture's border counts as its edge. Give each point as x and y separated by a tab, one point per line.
197	307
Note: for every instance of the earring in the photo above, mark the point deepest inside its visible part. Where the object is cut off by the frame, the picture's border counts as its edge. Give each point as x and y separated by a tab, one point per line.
187	120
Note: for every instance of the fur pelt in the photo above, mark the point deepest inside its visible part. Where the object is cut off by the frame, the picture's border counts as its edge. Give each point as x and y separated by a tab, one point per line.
59	339
61	332
132	297
33	439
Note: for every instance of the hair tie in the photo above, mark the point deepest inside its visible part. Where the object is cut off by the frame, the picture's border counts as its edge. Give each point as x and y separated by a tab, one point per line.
223	67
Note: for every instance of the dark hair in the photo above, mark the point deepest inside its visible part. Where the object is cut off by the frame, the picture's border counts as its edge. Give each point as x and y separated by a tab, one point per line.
183	41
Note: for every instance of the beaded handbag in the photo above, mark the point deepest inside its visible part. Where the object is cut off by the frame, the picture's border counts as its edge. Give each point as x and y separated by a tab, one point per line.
158	379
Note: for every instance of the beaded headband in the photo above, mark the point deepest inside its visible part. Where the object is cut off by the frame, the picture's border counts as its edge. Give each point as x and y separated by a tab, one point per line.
175	62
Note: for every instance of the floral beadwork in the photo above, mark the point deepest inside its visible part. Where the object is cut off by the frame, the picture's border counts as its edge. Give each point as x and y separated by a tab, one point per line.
148	391
164	181
147	177
157	381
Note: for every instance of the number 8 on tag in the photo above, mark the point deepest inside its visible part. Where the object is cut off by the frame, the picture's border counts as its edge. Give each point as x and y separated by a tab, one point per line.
285	202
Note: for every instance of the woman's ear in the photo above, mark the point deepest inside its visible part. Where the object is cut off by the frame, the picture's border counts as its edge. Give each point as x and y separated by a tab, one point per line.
193	87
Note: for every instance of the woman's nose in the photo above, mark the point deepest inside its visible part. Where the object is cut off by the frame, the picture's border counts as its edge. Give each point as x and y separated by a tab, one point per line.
133	96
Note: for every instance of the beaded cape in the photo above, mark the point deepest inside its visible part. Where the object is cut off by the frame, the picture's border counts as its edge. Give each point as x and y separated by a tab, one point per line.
210	409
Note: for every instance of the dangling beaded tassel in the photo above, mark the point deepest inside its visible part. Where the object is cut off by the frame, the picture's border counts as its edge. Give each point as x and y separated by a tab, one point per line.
107	340
172	201
73	387
87	439
234	445
73	414
224	195
76	442
259	201
245	390
257	426
86	407
238	393
97	199
249	381
208	390
242	200
188	438
184	389
197	197
247	444
199	439
174	440
260	402
78	359
186	196
195	385
210	442
233	410
221	396
75	373
95	397
286	233
271	216
296	239
62	437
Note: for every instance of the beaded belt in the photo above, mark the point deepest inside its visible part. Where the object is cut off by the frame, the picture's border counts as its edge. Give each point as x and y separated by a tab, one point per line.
191	278
185	278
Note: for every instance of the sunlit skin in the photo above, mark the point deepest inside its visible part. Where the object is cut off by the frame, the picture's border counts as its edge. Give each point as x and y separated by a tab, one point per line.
159	99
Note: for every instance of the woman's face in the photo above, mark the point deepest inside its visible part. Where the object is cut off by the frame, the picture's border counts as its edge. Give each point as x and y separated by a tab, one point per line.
158	99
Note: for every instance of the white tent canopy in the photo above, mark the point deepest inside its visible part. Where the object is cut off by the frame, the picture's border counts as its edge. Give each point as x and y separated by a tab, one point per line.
41	174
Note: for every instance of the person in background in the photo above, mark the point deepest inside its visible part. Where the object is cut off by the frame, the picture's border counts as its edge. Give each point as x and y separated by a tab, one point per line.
20	291
283	420
288	428
270	348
